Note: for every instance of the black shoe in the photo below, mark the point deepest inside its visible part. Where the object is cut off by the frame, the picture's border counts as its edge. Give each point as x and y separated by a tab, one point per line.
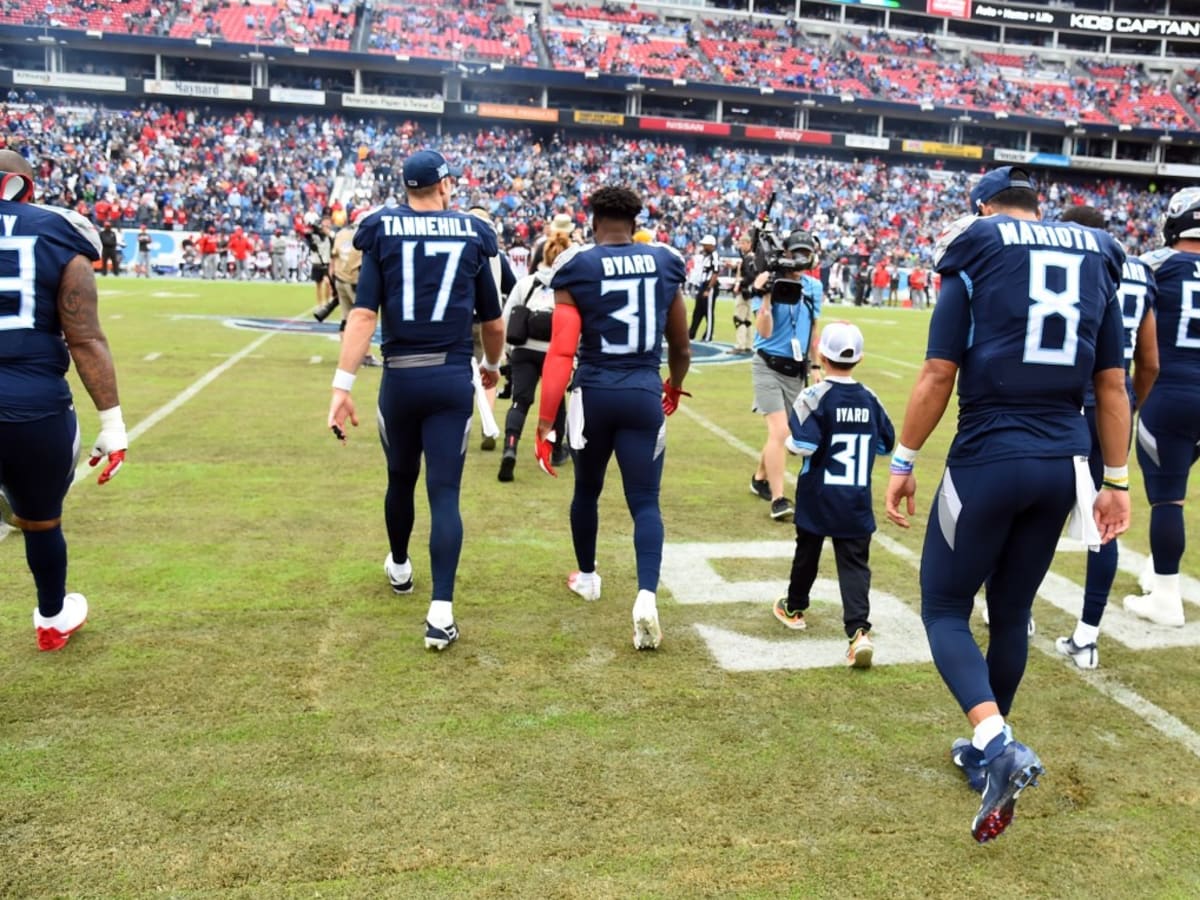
781	509
508	462
560	456
488	443
760	489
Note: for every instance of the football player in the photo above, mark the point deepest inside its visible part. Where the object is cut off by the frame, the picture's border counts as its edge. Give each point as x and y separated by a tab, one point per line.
1136	295
427	271
48	319
613	301
1026	315
1168	434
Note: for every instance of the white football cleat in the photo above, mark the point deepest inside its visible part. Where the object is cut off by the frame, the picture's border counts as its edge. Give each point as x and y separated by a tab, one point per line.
1146	577
1156	607
585	584
647	634
1086	657
52	632
1163	605
400	575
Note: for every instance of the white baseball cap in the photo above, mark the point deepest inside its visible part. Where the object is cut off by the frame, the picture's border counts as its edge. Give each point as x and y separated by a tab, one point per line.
841	342
708	241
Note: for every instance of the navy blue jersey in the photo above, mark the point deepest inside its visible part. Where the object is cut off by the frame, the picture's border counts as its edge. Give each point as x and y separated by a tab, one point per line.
1137	297
1028	312
1177	309
428	274
623	292
36	244
841	427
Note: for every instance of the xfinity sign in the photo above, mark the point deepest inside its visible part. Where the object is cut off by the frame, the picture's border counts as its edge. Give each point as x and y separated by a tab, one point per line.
1094	23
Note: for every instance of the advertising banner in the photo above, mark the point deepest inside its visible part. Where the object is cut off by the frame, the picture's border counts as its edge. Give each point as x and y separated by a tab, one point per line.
790	135
685	126
522	113
399	104
68	80
202	89
937	148
587	117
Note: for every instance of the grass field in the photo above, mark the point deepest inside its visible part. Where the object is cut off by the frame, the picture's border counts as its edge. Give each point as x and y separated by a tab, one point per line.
250	711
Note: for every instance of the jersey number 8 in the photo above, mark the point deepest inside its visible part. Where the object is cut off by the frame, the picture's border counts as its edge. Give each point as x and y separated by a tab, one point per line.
1048	303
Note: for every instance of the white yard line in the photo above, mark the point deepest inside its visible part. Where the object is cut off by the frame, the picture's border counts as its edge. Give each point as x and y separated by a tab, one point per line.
903	363
1154	716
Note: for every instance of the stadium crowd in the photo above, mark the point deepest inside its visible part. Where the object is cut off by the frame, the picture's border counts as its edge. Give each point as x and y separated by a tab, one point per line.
187	169
780	53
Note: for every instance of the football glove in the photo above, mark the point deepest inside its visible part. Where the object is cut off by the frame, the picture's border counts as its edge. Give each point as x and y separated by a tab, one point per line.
670	397
112	442
543	449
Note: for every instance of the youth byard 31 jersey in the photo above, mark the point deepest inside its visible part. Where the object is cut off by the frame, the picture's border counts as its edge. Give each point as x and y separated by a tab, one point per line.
1136	295
36	244
623	292
840	428
427	273
1028	311
1177	309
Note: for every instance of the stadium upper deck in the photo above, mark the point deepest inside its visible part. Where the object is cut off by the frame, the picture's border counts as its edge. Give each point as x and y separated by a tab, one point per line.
1054	90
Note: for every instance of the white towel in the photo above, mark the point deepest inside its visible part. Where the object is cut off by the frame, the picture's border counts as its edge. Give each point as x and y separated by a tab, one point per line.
1082	524
575	438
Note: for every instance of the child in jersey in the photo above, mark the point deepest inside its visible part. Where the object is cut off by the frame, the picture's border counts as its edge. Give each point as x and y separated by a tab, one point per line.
838	426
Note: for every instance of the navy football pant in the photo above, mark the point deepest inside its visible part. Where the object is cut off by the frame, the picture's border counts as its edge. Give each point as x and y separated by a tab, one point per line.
998	522
630	424
37	466
1168	442
426	410
1168	445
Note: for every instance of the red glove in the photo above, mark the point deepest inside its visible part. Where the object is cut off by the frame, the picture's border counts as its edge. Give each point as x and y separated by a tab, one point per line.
111	443
670	397
116	459
542	448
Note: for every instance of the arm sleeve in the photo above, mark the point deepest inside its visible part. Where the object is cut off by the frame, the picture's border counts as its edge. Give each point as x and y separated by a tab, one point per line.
950	327
369	294
556	370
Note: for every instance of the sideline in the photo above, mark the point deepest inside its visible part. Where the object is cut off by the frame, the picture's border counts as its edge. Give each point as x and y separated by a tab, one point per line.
1154	716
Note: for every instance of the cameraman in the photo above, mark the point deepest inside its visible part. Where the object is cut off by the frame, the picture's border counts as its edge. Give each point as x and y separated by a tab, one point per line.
785	340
